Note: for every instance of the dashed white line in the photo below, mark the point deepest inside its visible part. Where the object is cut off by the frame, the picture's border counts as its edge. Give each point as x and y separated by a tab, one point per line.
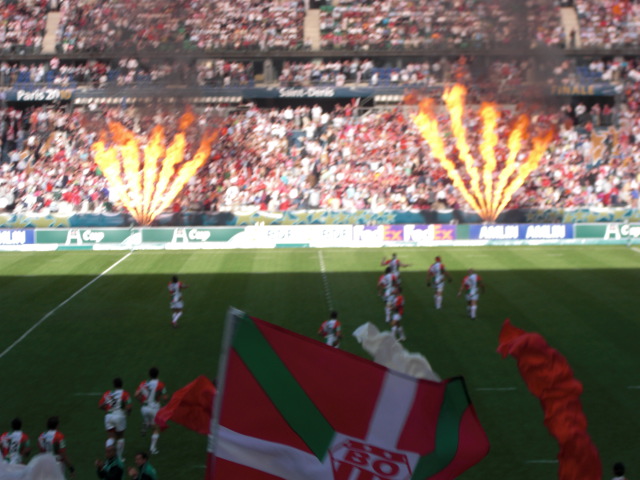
39	322
325	280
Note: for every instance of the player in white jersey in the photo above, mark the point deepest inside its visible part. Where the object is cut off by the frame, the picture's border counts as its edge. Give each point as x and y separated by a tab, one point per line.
436	276
386	284
117	405
151	393
15	444
397	311
389	305
394	264
52	441
474	286
177	304
331	330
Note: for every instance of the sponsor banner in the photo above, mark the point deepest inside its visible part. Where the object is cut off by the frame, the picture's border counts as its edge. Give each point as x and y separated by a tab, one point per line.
37	95
521	232
190	235
609	231
16	237
294	235
414	234
87	236
591	89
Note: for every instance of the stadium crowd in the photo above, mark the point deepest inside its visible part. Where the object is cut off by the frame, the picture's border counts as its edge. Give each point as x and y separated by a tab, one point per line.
307	157
200	25
182	25
22	26
608	23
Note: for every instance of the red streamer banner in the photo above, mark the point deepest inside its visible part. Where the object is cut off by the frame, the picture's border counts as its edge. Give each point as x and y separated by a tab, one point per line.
549	378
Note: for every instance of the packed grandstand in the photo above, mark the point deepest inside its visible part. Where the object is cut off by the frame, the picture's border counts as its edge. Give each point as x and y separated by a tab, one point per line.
314	101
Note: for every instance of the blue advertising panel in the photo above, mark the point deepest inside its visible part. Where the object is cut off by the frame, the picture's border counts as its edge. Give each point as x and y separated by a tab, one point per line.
545	231
10	236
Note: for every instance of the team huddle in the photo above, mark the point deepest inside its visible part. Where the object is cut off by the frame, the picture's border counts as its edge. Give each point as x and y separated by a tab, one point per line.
390	291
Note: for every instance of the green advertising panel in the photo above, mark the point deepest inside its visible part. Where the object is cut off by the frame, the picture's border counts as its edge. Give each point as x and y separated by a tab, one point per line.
608	231
84	236
189	234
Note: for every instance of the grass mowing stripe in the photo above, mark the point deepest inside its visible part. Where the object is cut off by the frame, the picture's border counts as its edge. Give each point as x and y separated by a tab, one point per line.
325	280
63	303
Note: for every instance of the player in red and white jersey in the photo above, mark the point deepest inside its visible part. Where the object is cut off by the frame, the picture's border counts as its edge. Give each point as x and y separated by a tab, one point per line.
436	276
397	310
394	264
386	284
15	444
117	405
177	304
52	441
331	330
474	286
151	393
390	301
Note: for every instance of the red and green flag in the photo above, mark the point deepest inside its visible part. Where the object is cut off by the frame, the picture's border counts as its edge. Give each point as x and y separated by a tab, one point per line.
289	407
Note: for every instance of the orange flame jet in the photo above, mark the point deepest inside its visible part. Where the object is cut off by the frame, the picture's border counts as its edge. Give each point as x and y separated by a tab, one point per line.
486	195
148	178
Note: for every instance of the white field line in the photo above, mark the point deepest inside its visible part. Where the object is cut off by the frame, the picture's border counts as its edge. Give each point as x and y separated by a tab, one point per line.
496	389
634	387
541	461
47	315
635	249
325	280
87	394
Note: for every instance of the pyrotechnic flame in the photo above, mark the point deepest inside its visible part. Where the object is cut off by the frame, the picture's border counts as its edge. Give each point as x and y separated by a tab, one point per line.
486	196
428	125
148	177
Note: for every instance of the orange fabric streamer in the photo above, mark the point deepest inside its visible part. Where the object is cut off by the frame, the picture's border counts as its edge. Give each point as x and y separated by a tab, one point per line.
550	378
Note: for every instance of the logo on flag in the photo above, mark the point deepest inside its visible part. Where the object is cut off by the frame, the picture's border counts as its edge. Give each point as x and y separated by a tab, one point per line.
365	461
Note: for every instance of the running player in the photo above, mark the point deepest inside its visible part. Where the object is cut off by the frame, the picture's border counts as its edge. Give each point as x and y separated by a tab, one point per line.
331	330
436	276
474	286
151	393
52	441
177	304
15	444
117	405
386	283
396	316
394	263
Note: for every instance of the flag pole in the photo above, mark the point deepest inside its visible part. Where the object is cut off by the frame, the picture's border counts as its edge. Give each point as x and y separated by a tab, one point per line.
231	321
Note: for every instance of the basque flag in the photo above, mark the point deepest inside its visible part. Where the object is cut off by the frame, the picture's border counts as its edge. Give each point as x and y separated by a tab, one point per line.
289	407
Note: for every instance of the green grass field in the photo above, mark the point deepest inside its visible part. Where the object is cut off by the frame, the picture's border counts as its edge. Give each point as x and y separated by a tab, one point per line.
65	334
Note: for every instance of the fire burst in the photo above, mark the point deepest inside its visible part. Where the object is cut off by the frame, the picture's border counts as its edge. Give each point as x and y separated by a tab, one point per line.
148	177
486	195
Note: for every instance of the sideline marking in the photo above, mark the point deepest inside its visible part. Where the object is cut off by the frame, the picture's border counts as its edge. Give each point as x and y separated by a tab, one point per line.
39	322
87	394
541	461
496	389
634	387
325	280
635	249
